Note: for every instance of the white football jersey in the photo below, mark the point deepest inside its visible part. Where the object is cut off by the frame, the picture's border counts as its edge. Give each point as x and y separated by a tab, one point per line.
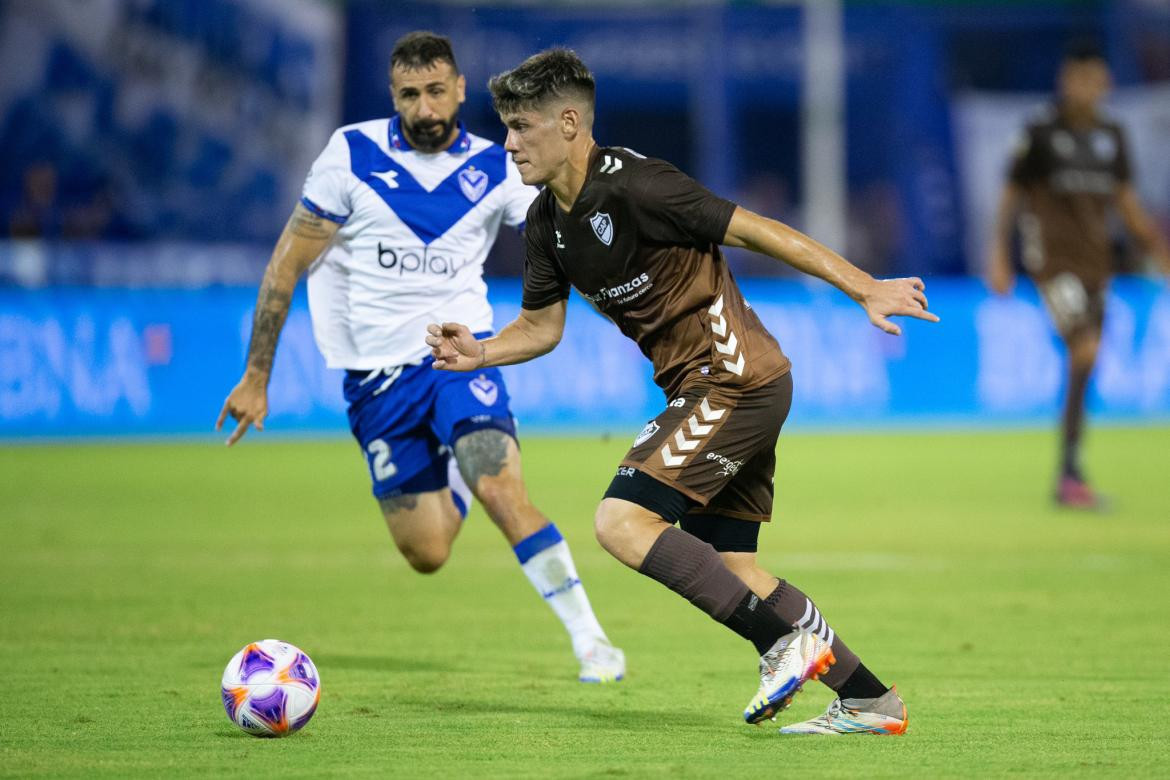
415	231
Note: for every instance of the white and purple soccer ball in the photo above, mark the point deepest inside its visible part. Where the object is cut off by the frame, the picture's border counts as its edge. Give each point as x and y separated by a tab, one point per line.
270	688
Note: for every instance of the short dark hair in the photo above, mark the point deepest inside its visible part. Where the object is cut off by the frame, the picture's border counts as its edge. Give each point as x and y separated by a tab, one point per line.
1083	50
555	72
421	49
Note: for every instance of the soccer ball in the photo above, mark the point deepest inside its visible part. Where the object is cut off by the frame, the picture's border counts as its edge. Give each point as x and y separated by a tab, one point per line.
270	688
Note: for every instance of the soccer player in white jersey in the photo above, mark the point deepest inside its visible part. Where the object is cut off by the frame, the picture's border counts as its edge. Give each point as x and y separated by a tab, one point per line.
397	218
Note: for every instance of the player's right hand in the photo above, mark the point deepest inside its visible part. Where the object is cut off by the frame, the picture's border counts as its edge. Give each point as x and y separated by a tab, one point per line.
453	347
1000	277
247	403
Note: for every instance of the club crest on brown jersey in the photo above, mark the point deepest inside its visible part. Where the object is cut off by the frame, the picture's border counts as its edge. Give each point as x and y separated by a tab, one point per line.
602	227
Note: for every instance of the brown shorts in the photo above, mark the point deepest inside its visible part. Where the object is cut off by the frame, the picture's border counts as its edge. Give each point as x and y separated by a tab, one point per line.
717	446
1075	307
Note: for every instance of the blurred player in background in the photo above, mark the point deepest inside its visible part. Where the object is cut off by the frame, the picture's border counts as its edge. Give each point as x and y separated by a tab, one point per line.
640	240
1070	167
405	210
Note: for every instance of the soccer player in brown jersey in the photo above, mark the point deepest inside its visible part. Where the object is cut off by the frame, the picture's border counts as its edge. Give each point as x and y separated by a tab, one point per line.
640	240
1070	168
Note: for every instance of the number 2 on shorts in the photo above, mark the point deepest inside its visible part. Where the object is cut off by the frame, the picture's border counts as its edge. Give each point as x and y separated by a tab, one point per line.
380	462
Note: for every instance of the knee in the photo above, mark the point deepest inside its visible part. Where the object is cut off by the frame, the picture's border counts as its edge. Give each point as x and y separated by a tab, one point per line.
610	527
423	557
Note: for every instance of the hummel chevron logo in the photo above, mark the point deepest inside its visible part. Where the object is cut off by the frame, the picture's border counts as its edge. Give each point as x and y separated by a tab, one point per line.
611	165
727	348
731	345
697	428
709	414
697	431
683	443
670	459
719	326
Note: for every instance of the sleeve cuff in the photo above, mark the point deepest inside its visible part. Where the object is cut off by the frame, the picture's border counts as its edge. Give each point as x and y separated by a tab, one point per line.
320	212
535	301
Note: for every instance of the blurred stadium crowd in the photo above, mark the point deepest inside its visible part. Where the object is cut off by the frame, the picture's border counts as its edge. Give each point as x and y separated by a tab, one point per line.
152	150
160	120
195	120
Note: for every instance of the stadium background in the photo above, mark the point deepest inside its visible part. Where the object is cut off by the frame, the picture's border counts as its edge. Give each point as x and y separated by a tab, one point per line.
152	151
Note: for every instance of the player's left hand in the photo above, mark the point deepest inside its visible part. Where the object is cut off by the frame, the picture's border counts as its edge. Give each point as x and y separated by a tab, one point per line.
895	297
453	347
247	404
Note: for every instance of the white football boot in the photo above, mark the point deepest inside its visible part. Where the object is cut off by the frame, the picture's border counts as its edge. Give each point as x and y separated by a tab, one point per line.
795	659
602	663
884	715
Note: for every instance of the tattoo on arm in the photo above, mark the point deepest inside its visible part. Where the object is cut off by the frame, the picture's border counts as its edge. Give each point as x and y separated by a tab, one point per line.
304	236
483	453
393	504
305	224
271	311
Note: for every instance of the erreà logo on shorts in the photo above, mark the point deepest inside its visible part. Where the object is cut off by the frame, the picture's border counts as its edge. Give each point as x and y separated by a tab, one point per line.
730	467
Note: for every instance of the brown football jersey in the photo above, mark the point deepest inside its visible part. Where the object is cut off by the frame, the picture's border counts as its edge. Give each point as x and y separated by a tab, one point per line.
641	243
1070	176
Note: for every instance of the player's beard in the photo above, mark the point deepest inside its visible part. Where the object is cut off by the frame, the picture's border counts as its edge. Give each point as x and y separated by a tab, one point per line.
430	134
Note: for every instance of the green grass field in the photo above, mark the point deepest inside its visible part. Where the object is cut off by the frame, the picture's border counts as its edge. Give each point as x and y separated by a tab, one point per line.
1025	640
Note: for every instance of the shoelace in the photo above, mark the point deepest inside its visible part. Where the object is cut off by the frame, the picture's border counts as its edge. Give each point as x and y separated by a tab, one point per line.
826	719
771	661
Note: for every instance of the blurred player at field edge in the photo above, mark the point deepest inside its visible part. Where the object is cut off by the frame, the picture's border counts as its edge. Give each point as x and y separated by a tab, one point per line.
397	218
1070	167
640	240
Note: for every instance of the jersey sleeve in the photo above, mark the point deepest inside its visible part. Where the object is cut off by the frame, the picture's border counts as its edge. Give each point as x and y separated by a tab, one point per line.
518	197
544	281
1027	163
671	207
326	192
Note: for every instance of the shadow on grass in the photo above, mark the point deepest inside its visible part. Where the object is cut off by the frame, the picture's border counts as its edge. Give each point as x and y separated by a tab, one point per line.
379	663
600	715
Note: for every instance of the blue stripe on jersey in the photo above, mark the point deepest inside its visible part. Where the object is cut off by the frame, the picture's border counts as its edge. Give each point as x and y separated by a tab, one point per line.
428	213
538	542
320	212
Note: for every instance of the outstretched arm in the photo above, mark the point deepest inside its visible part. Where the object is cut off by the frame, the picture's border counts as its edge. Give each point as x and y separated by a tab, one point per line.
879	298
1139	223
304	237
532	334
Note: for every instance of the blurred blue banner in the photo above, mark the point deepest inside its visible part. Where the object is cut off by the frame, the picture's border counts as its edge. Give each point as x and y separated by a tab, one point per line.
83	361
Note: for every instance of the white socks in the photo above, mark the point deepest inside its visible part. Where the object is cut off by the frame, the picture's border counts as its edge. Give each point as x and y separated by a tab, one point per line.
544	556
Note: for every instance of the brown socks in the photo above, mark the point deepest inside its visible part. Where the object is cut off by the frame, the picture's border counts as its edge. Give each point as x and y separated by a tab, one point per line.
848	674
692	569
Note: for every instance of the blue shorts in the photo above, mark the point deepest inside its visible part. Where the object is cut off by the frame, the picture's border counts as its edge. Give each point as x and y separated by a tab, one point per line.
408	418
